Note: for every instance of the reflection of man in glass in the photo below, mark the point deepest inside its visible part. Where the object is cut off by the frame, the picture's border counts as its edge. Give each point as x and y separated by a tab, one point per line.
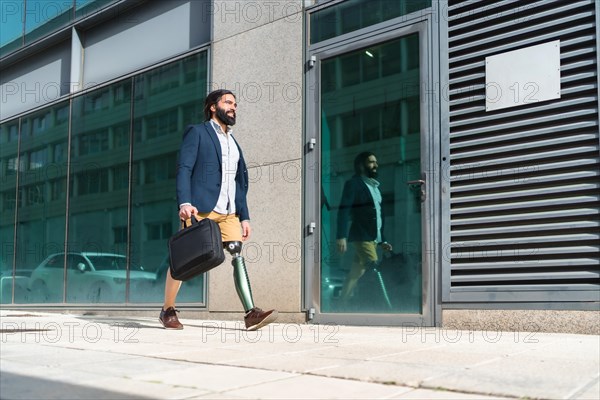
361	204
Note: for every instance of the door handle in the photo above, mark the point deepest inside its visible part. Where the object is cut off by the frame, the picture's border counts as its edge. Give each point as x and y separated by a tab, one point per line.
420	182
416	182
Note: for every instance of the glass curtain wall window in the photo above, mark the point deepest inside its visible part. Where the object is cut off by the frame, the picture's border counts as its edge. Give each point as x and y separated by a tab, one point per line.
120	178
352	15
40	228
9	168
96	262
25	21
167	99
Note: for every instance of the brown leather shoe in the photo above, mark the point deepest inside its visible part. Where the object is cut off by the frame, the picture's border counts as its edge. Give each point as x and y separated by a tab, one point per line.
257	318
169	319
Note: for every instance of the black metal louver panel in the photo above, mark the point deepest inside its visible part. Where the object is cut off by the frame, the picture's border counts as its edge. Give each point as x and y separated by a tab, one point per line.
525	181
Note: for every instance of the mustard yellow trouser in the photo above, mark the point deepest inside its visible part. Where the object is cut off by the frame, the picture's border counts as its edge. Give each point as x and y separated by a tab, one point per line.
365	254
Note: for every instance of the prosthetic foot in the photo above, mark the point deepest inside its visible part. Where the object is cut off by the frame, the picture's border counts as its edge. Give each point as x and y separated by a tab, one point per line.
255	318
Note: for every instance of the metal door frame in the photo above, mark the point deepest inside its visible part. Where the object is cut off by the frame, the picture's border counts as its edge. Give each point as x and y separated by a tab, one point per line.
430	152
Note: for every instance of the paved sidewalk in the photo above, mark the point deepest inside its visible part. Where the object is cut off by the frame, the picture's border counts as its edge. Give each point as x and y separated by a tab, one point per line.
59	356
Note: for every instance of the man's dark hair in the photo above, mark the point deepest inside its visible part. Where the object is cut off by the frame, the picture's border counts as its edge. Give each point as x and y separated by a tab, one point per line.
360	161
213	98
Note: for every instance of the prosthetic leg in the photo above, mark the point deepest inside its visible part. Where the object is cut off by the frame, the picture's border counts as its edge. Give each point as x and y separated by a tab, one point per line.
384	291
359	271
255	318
240	275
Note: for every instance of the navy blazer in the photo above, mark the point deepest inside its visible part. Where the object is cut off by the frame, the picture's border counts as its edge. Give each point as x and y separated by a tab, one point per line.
199	171
358	206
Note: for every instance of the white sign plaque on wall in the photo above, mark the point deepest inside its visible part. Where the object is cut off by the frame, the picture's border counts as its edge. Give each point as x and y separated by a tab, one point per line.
523	76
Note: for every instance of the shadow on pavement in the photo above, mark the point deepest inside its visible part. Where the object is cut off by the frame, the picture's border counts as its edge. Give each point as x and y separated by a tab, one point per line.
15	386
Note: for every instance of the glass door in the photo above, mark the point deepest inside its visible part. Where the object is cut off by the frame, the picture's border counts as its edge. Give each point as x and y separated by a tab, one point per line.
373	150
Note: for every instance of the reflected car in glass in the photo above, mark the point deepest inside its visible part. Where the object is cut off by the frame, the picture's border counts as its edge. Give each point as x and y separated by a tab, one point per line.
91	277
21	282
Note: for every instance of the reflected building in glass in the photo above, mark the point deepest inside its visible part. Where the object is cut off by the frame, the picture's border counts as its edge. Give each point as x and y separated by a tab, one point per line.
111	155
372	103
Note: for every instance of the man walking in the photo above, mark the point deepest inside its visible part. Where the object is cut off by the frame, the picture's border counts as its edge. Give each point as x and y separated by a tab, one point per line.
361	203
212	182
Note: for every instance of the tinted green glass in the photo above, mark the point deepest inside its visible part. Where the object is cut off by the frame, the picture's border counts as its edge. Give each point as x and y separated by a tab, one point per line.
8	181
41	216
24	22
351	15
43	17
86	7
97	259
11	25
368	106
166	100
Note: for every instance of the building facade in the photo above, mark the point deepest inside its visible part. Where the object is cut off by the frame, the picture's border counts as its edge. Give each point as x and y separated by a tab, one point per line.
483	117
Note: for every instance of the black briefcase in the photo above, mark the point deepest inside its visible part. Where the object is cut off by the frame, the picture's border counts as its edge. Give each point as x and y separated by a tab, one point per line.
195	249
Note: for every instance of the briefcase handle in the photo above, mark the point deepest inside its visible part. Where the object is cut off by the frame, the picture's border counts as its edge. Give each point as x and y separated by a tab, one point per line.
194	221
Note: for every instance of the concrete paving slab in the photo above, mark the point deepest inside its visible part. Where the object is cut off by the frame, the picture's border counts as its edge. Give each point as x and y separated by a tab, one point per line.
128	367
587	391
313	387
361	351
151	389
293	363
426	394
46	373
17	387
408	374
208	355
435	357
517	376
215	378
218	396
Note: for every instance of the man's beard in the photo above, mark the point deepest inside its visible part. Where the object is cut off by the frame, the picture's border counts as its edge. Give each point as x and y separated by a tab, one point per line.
372	173
222	115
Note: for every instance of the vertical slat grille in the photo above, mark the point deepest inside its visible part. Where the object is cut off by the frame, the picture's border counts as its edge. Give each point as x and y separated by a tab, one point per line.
525	181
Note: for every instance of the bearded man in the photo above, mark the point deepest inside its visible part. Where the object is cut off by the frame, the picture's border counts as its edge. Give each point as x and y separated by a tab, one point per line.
212	182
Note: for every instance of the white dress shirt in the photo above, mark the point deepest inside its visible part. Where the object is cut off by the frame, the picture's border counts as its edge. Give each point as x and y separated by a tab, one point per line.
373	186
229	162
